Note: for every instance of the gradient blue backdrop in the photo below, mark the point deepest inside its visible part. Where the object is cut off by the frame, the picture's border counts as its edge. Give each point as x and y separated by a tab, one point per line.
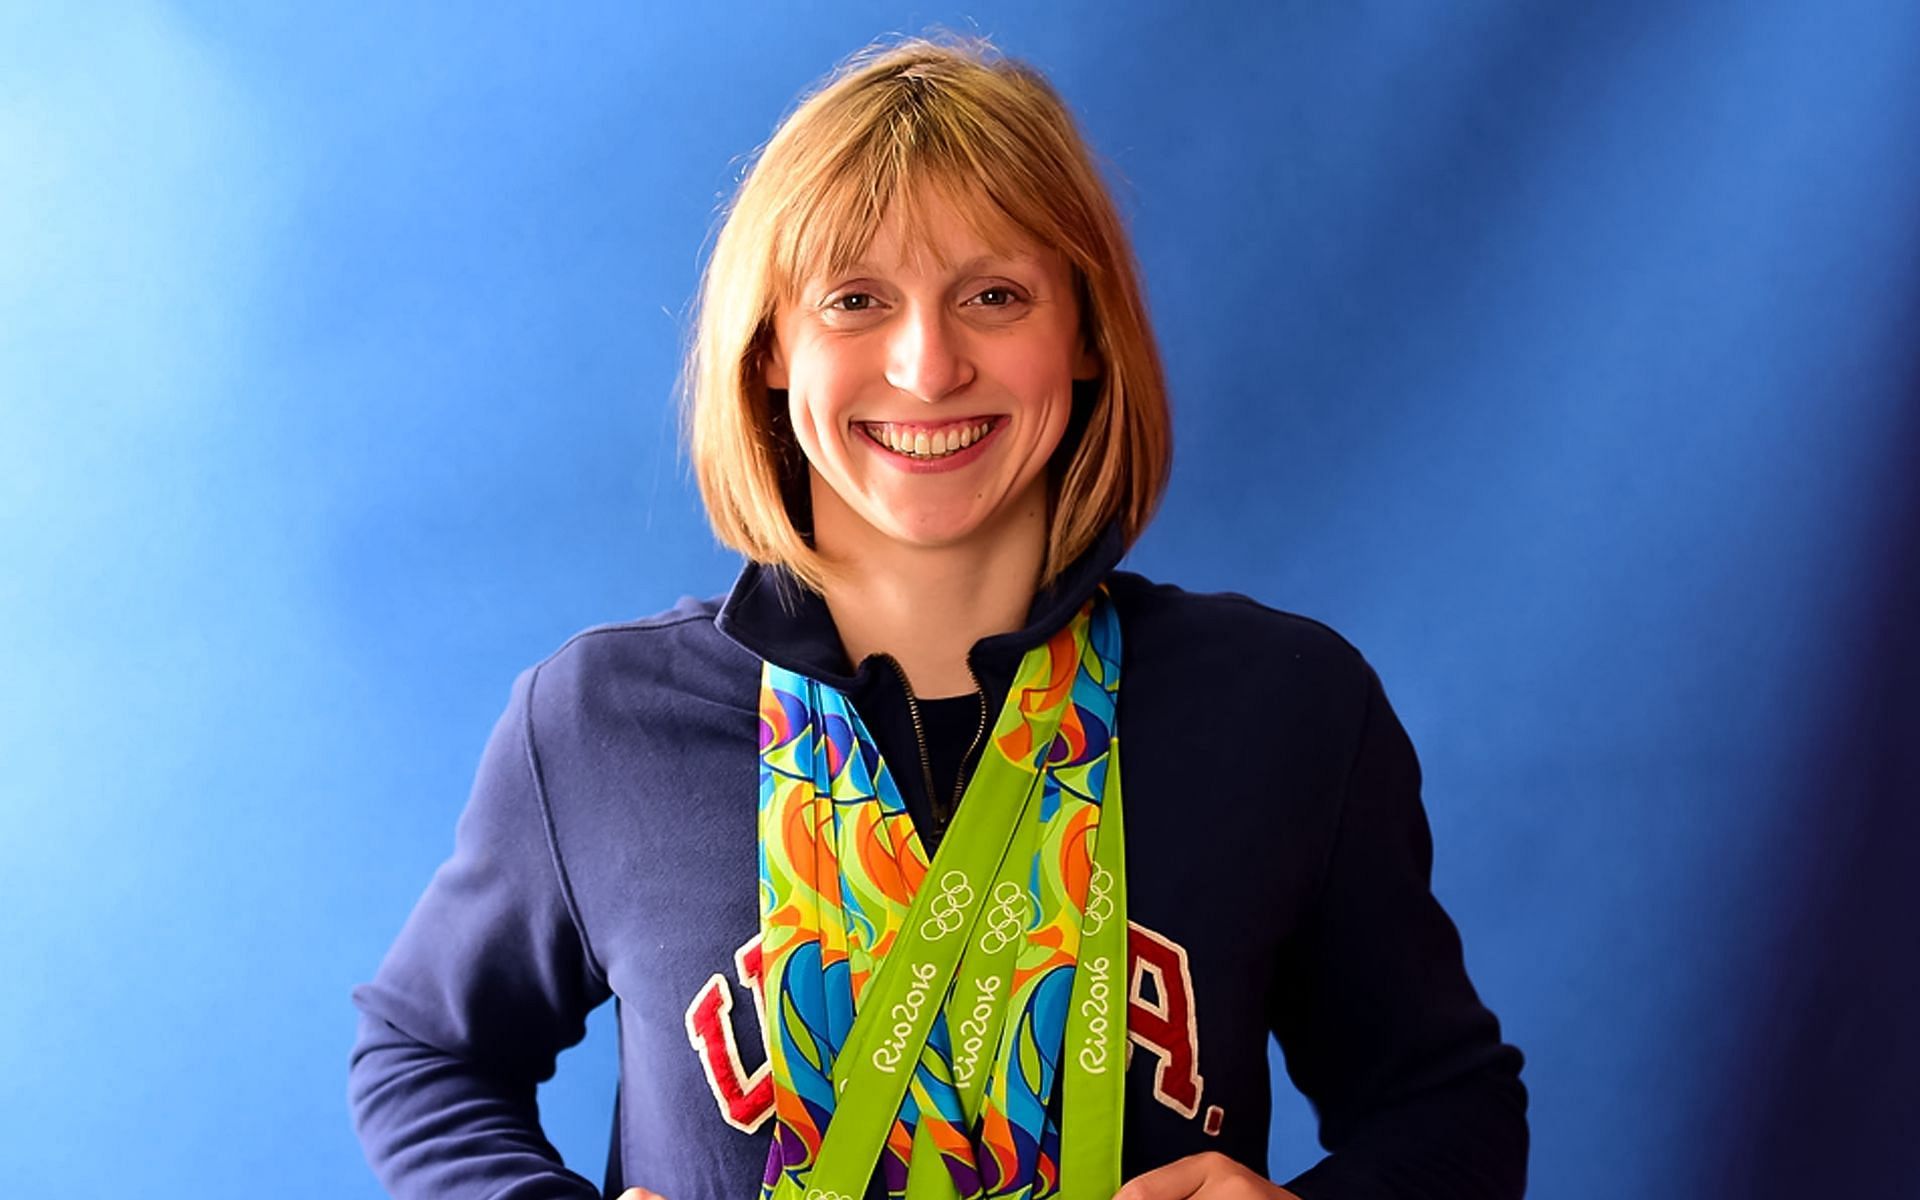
1563	356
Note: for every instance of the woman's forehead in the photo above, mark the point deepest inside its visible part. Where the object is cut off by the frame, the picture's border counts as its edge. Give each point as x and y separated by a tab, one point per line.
929	228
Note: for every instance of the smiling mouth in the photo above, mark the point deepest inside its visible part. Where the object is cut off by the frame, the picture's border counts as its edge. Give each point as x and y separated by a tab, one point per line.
928	442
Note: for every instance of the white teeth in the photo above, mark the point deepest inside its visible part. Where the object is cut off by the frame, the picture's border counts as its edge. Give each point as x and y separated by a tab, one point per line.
921	444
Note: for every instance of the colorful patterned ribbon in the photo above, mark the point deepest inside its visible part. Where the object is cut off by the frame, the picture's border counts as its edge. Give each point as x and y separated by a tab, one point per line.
922	1013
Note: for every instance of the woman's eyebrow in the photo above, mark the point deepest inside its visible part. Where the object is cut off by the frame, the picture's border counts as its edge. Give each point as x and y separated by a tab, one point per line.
983	261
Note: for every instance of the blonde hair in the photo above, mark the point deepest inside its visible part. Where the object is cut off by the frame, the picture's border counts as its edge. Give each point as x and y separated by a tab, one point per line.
990	134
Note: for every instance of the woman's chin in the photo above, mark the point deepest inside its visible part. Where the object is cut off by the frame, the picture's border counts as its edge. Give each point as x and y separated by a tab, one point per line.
912	519
935	532
930	531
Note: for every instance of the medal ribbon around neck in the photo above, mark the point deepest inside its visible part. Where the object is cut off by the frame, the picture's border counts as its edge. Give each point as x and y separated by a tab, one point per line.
921	1014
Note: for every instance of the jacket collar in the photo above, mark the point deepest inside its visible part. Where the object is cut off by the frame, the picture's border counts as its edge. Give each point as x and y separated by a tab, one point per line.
772	616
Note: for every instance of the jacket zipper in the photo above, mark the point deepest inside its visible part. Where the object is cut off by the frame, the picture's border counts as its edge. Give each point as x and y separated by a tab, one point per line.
919	733
960	776
941	816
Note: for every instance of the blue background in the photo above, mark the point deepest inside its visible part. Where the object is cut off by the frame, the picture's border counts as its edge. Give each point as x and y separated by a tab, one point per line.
1563	356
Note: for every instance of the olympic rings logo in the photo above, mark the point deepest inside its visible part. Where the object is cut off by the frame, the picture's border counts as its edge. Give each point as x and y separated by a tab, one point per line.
1006	919
1099	908
820	1194
948	908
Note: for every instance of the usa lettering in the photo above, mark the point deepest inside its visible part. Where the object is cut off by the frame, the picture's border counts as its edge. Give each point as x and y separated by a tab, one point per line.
745	1097
1169	1028
1161	1018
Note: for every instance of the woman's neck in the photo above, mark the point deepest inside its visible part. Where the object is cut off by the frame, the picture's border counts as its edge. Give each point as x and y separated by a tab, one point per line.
926	606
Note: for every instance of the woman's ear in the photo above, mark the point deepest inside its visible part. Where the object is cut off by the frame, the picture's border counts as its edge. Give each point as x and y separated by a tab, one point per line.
775	371
1087	364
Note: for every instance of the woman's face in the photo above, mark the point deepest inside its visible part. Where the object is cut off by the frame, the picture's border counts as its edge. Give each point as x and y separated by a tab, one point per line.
929	390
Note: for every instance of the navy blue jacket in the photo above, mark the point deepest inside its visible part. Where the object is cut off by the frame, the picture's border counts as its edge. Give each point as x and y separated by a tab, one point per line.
1277	878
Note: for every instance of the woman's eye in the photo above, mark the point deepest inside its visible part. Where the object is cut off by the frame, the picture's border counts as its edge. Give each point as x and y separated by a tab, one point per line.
997	297
852	302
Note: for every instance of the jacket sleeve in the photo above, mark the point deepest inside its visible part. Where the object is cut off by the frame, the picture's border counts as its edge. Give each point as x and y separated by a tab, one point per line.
489	980
1415	1092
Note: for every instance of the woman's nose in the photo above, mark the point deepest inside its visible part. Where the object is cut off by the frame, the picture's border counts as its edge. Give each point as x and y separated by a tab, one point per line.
926	357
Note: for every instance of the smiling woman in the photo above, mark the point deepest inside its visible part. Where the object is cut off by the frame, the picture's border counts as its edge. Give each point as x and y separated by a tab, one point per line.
928	397
928	386
928	166
924	401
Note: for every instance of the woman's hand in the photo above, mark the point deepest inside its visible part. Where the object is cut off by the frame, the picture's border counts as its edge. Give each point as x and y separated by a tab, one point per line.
1210	1176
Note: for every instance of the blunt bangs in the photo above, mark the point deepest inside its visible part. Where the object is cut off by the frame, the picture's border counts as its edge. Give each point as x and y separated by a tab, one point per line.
904	153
